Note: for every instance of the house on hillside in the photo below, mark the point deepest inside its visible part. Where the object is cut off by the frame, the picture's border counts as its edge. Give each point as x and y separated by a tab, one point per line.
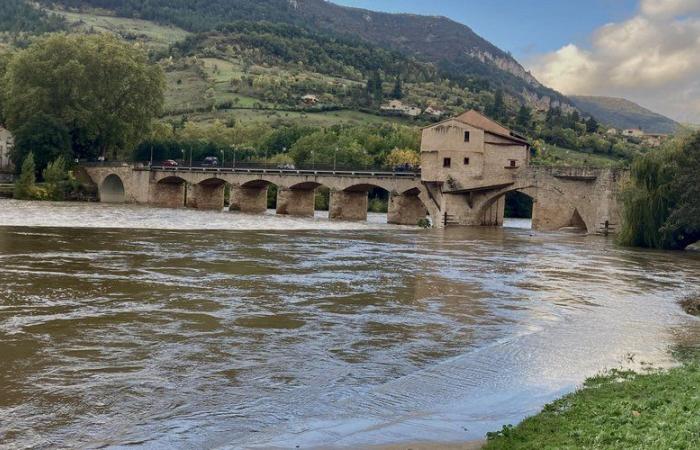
6	167
434	112
633	132
462	151
612	132
309	100
654	140
398	108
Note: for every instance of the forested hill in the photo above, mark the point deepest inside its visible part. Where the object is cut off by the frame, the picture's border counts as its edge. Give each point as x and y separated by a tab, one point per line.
623	114
452	47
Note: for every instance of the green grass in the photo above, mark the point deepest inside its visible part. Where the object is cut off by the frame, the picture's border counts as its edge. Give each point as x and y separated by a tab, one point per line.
619	410
150	33
564	156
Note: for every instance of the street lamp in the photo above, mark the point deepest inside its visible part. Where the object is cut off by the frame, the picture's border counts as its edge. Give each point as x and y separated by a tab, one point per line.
313	160
183	156
335	158
151	155
233	164
223	157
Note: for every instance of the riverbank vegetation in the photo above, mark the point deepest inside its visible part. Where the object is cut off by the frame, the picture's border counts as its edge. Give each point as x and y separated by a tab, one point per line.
621	409
662	201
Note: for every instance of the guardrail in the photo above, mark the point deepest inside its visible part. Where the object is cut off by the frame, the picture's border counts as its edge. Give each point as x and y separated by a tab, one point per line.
281	171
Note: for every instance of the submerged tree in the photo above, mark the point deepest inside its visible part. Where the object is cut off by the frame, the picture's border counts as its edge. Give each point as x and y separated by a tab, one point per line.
25	185
662	203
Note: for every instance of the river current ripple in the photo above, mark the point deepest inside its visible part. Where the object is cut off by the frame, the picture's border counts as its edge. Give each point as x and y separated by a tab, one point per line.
244	334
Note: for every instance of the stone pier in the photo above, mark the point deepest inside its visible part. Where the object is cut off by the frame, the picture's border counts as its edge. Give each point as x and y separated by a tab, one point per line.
405	209
249	199
209	195
169	194
296	202
348	205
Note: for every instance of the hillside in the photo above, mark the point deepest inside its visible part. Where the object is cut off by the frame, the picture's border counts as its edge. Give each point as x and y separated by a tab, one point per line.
452	47
242	82
623	114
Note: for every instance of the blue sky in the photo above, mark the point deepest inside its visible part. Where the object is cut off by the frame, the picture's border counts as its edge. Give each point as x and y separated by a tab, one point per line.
523	27
647	51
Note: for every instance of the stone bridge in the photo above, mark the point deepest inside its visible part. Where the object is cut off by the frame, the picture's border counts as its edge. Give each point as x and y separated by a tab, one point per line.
562	197
204	188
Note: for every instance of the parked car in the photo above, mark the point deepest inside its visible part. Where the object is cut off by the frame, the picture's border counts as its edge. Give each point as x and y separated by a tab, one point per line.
210	161
404	168
170	163
286	167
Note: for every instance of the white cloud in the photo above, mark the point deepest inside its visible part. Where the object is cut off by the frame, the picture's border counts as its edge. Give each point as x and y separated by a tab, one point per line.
669	8
652	58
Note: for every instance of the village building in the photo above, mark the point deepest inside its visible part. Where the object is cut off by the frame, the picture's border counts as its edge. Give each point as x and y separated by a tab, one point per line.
434	112
654	140
612	132
470	147
398	108
633	132
309	100
6	167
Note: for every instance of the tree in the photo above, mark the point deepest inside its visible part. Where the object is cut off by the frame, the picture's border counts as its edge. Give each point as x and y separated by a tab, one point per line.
524	118
25	185
55	176
104	91
45	138
592	125
399	156
375	87
397	92
497	109
661	207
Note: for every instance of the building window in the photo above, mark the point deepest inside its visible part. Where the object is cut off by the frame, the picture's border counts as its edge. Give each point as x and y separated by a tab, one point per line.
466	136
447	162
512	164
466	161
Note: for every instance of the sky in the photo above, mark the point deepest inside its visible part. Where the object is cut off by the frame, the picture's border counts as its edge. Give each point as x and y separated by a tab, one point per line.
647	51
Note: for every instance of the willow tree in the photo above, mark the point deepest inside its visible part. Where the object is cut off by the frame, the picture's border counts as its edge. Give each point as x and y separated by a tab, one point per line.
104	91
661	206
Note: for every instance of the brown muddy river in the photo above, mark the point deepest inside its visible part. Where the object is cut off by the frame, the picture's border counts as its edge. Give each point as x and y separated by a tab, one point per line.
231	331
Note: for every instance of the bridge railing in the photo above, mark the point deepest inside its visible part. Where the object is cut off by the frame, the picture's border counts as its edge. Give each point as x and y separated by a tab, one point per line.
255	167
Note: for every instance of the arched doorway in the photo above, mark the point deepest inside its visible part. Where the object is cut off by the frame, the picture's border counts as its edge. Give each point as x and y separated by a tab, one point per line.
112	190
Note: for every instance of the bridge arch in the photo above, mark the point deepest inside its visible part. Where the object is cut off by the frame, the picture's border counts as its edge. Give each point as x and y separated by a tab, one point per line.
553	208
209	194
112	189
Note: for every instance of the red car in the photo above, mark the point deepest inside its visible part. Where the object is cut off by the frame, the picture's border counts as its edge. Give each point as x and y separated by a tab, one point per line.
170	163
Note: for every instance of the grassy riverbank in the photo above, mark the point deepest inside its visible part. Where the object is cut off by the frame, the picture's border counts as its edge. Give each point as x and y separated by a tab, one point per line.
620	409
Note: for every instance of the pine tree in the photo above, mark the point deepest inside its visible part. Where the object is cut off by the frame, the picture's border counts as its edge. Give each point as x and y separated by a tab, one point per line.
498	108
592	125
54	175
25	185
524	118
397	93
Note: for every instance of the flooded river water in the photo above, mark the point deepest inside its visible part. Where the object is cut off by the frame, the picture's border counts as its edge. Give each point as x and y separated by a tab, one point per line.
128	326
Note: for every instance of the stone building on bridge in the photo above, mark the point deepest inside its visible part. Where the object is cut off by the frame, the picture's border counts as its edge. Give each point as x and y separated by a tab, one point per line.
469	164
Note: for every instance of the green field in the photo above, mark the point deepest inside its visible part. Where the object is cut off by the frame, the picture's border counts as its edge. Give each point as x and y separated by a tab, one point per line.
150	34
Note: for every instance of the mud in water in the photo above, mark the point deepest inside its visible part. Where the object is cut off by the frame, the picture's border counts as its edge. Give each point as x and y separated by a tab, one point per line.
151	333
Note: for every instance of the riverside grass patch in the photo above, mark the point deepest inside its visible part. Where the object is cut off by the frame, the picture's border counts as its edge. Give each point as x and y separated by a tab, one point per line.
618	410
